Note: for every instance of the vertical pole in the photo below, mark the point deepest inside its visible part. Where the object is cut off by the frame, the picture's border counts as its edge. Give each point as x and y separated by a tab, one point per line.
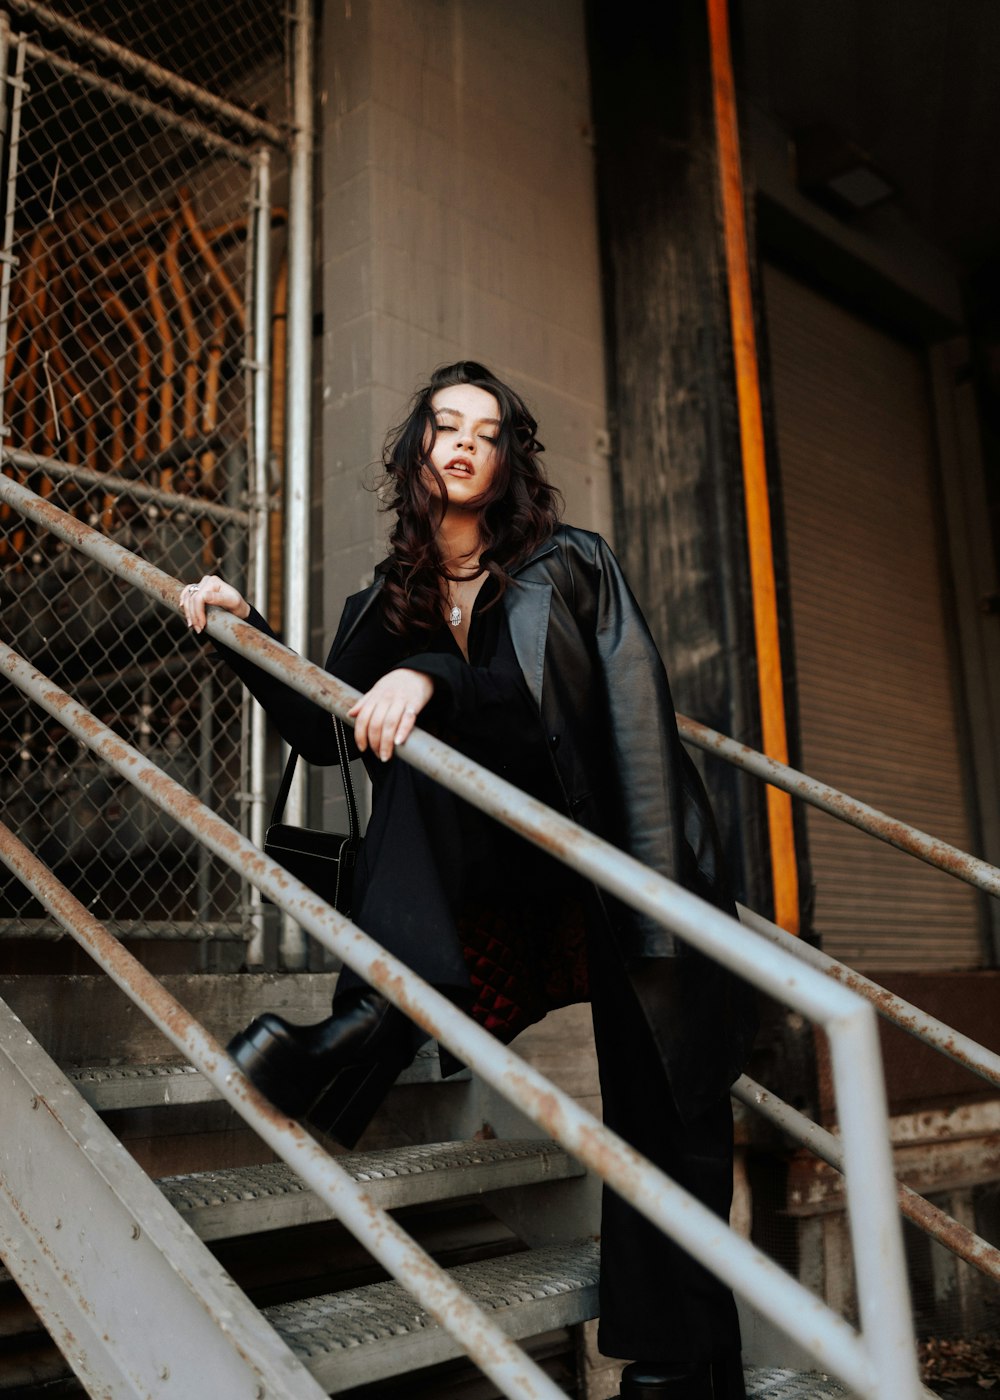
259	276
758	512
206	754
873	1207
10	129
299	430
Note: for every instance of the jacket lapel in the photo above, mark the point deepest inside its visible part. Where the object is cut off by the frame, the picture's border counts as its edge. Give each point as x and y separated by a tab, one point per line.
527	608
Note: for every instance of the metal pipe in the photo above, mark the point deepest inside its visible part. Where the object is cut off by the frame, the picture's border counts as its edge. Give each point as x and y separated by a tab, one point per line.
153	930
753	459
930	1218
10	134
123	486
206	738
781	1298
298	419
848	809
160	77
168	363
387	1241
194	131
259	372
211	259
958	1047
192	332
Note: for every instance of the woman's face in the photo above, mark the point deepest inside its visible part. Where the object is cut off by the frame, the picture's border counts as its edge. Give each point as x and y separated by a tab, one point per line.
464	450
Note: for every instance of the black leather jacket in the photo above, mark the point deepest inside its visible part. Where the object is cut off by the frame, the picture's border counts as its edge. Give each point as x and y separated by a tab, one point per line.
596	675
594	671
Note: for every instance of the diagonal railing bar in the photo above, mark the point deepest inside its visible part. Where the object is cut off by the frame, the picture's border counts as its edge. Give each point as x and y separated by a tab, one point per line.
958	1047
971	869
884	1365
937	1223
495	1353
788	1304
325	690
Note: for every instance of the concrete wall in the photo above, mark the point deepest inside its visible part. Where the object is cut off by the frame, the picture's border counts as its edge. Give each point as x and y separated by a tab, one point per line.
458	221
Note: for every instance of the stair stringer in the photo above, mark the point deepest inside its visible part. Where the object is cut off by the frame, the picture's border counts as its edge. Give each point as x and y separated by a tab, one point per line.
133	1299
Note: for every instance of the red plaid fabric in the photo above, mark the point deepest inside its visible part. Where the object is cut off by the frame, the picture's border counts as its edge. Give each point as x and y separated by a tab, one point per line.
523	963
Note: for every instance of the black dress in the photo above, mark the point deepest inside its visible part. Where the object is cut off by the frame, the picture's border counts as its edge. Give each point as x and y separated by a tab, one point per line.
481	913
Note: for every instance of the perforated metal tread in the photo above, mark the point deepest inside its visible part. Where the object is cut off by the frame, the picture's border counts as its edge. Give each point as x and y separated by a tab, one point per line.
249	1200
366	1334
107	1087
773	1383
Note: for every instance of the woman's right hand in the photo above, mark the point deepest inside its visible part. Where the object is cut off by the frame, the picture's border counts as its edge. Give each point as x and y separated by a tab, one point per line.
214	591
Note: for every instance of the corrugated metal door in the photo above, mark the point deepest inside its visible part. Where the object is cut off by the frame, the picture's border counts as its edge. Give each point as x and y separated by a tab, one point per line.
876	682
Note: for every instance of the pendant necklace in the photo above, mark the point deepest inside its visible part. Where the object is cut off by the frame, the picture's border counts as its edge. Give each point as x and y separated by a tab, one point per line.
455	615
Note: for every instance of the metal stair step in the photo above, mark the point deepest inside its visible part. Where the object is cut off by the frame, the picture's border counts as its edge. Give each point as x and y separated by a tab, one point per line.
109	1087
368	1334
774	1383
250	1200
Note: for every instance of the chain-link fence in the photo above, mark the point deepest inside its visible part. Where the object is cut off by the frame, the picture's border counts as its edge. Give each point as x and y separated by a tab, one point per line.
134	375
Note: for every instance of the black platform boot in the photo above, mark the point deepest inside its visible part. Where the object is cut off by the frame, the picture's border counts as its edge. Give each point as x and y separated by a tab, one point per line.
652	1380
334	1073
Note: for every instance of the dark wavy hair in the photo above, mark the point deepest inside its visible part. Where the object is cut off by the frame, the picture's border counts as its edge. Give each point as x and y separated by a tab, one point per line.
518	510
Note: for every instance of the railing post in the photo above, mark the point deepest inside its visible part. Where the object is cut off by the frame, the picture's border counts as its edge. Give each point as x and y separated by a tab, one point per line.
10	125
259	279
873	1212
298	415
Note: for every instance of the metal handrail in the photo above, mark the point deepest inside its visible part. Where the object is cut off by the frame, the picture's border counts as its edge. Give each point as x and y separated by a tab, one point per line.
884	1363
971	869
934	1221
301	674
495	1353
958	1047
848	1020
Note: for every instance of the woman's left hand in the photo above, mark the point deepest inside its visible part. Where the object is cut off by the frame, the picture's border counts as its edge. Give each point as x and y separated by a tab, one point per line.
385	715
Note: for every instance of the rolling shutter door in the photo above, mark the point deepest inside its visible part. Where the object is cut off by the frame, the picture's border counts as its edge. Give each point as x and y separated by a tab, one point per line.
875	678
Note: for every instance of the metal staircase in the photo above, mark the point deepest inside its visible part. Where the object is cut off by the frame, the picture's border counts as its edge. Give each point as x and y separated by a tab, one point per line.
353	1337
118	1269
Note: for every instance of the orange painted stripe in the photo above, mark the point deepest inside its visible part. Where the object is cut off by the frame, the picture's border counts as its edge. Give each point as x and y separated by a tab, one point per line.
774	733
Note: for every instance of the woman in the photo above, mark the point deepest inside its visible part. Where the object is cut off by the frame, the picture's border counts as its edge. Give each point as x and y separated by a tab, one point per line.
517	640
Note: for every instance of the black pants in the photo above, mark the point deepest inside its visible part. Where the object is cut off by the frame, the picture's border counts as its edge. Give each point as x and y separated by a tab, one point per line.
657	1303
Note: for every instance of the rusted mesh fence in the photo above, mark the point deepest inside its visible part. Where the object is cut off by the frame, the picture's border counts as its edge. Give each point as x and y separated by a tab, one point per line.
126	350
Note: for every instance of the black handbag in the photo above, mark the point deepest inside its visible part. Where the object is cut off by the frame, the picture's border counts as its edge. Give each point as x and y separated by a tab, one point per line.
322	860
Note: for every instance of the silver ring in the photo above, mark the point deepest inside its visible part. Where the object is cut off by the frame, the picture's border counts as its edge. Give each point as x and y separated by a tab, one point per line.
409	710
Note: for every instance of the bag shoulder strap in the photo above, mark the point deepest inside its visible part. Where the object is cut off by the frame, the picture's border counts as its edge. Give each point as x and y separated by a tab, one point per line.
345	773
